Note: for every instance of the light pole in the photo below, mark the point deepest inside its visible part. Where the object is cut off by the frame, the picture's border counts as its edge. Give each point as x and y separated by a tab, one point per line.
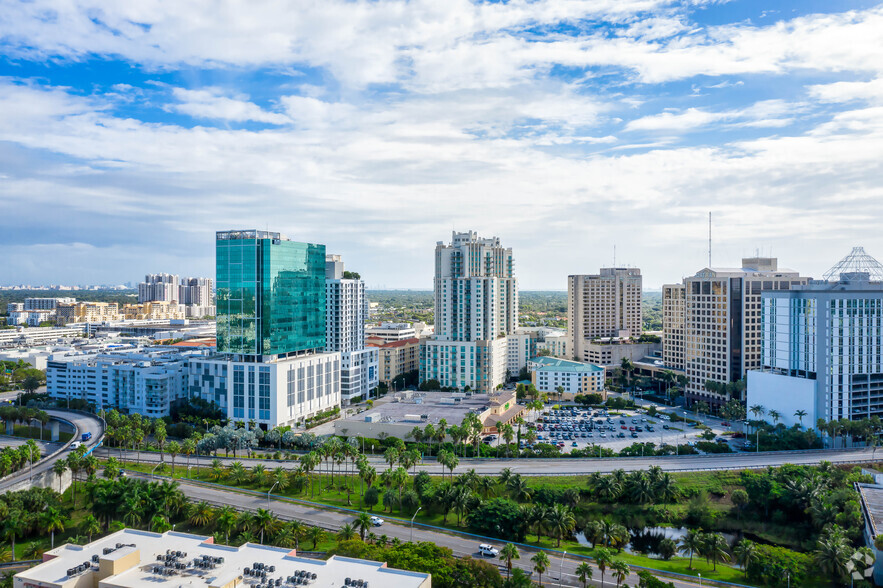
700	578
419	508
154	468
561	570
268	494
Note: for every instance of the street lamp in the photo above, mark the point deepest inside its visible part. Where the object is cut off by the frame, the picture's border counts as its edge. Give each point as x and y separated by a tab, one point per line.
561	570
268	493
154	468
419	508
700	578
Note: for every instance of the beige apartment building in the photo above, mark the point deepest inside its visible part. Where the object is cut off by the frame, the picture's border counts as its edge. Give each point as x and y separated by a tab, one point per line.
722	323
396	357
86	312
153	311
607	304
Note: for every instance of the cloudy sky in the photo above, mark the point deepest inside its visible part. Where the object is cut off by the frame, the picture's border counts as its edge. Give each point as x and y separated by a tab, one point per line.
131	131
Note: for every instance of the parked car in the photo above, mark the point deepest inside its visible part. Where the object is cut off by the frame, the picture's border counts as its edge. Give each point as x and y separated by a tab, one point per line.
665	427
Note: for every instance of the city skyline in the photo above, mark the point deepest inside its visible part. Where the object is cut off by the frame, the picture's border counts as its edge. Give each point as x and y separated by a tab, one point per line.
564	128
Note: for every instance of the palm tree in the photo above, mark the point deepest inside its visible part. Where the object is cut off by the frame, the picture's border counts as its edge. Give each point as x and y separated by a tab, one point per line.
508	553
226	521
691	543
744	552
620	571
363	524
314	534
584	573
347	532
237	473
775	415
265	521
561	522
173	449
53	521
716	549
603	558
627	368
508	433
90	526
59	468
159	524
540	564
832	554
202	514
757	410
800	414
518	488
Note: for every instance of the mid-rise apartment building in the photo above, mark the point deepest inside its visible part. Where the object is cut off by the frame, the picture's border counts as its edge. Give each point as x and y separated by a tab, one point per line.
476	307
86	312
549	374
607	304
158	288
153	311
45	303
396	358
822	348
346	311
722	319
142	381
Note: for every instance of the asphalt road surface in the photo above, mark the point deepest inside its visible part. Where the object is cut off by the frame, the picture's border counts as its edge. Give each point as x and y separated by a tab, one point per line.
82	422
333	520
568	466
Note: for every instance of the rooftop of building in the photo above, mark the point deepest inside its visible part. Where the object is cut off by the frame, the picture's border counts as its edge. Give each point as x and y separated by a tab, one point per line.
546	363
197	342
409	408
134	559
243	234
872	504
374	342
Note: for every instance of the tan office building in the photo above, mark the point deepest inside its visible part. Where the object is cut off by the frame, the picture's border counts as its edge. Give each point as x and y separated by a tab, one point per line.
722	323
604	305
86	312
153	311
673	325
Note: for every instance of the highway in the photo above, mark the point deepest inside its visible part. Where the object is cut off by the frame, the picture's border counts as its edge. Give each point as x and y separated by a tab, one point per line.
333	520
82	422
569	466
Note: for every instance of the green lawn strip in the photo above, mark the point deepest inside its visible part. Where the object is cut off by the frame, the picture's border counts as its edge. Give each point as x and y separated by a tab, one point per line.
29	432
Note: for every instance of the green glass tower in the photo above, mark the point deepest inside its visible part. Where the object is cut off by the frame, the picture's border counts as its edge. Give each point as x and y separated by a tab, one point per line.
270	294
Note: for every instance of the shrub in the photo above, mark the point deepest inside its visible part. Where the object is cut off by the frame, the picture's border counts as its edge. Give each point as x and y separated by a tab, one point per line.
771	565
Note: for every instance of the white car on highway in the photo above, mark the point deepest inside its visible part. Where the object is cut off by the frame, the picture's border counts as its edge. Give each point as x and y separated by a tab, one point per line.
376	521
488	550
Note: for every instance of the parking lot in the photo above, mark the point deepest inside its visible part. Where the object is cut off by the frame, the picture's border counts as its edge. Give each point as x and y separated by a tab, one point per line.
577	428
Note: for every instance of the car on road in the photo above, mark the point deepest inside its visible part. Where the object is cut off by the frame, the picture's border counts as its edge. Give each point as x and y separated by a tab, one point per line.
488	550
376	521
665	427
74	445
725	424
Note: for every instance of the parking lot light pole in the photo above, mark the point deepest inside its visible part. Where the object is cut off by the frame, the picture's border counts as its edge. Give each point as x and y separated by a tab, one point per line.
268	494
561	570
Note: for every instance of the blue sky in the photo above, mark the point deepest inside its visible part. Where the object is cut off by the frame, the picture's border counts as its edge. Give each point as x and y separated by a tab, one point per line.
130	132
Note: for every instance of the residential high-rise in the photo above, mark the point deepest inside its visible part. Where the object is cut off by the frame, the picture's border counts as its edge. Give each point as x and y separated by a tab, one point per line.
721	328
158	288
673	325
346	311
822	350
607	304
476	307
196	291
270	294
272	368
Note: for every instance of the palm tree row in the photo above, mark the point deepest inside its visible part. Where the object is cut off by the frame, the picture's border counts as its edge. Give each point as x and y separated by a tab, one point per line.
638	487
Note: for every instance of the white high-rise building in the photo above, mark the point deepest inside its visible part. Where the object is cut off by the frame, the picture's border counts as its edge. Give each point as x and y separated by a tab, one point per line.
607	304
346	311
476	307
196	291
822	347
158	288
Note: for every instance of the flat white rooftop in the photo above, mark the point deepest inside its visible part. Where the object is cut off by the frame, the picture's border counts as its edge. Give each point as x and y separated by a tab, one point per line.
140	559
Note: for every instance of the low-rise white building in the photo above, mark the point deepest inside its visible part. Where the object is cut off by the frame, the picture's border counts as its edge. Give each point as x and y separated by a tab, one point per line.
390	332
141	559
550	373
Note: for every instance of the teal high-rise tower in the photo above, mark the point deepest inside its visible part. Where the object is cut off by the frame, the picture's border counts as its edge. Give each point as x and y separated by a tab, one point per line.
270	295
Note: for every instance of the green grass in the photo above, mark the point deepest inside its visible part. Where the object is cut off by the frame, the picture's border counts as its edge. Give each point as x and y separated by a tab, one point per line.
29	432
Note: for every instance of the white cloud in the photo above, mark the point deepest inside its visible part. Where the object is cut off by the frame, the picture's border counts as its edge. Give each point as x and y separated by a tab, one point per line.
871	91
766	113
210	103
